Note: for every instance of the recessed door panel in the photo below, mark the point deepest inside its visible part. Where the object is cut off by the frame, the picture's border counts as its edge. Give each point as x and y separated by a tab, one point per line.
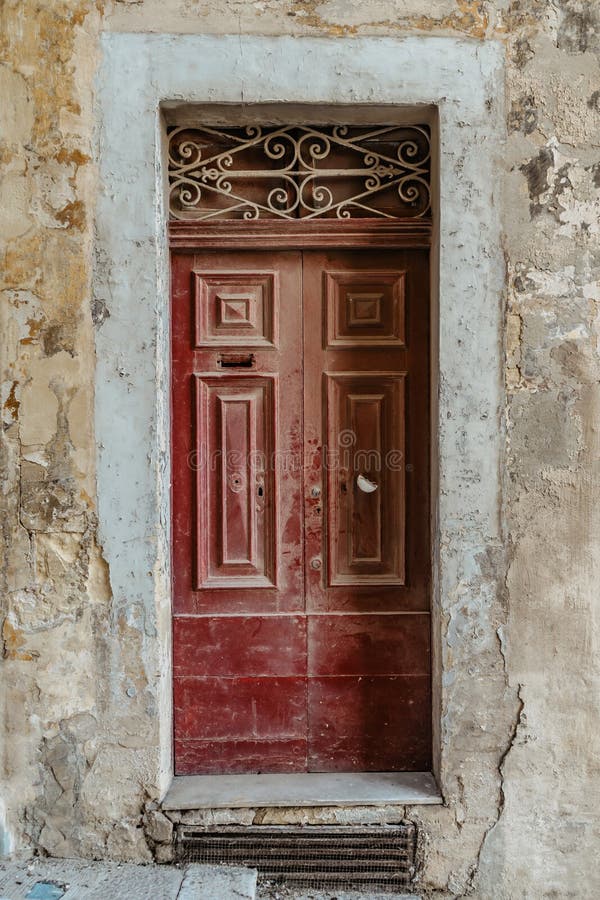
364	309
234	308
365	509
235	423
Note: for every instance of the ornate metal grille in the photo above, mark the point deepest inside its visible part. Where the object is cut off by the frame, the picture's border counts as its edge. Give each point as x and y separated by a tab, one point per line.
299	172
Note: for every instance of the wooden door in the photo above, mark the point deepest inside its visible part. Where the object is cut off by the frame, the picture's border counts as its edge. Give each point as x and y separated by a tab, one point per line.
367	509
300	452
239	635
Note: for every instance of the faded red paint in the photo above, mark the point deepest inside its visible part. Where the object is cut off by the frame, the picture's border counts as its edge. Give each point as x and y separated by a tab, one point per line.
231	646
369	724
301	633
369	644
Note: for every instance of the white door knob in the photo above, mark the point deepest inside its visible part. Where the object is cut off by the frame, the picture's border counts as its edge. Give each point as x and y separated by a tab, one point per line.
365	484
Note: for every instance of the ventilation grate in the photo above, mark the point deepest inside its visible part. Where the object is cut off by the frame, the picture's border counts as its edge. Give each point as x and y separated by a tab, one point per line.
381	858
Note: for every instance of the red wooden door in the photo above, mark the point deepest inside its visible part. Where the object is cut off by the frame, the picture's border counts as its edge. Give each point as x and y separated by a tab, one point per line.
299	445
365	426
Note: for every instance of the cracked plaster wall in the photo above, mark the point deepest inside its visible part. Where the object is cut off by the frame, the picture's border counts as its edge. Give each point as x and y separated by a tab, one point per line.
81	754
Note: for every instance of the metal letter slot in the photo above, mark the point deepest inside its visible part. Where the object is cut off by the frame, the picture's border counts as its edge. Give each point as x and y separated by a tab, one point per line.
235	360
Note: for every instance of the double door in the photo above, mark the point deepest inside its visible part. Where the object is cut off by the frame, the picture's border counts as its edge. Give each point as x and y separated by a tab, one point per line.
300	546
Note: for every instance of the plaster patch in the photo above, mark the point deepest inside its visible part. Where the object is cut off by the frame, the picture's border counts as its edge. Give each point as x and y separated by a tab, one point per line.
16	113
39	408
14	206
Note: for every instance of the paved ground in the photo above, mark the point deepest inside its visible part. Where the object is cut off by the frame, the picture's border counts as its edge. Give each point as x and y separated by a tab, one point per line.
53	879
56	879
267	892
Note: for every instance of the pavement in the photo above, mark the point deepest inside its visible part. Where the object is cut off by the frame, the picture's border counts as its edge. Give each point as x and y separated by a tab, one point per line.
77	879
271	892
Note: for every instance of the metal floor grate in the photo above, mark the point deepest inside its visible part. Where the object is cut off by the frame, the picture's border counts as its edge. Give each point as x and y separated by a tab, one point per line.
381	857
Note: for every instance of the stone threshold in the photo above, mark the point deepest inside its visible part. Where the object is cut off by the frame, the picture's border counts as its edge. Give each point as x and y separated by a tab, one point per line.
309	789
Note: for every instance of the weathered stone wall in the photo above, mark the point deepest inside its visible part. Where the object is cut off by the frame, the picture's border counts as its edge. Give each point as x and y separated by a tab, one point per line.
552	225
80	754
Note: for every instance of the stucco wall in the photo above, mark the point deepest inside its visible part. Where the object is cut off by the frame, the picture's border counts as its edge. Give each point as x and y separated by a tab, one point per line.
81	751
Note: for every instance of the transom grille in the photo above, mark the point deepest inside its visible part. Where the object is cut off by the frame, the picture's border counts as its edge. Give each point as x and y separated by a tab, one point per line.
377	858
299	172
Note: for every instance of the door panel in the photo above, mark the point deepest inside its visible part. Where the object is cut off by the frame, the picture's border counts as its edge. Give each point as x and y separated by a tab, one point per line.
235	424
364	309
225	725
301	511
366	644
237	552
240	693
365	489
238	646
235	757
236	308
369	724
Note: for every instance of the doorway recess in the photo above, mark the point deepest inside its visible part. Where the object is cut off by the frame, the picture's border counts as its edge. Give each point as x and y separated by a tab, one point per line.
300	448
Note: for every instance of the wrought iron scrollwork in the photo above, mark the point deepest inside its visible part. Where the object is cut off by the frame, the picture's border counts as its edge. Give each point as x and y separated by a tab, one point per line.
299	172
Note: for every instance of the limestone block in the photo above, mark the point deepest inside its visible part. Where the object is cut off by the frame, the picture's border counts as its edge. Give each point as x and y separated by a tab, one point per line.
163	853
158	827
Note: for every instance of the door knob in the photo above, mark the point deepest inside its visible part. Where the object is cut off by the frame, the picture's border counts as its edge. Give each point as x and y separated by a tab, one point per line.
365	484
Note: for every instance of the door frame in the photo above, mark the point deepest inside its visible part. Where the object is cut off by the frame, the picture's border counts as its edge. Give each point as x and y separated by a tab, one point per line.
143	78
270	234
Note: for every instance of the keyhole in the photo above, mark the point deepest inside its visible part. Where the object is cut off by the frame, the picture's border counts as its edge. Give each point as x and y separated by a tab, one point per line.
260	490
